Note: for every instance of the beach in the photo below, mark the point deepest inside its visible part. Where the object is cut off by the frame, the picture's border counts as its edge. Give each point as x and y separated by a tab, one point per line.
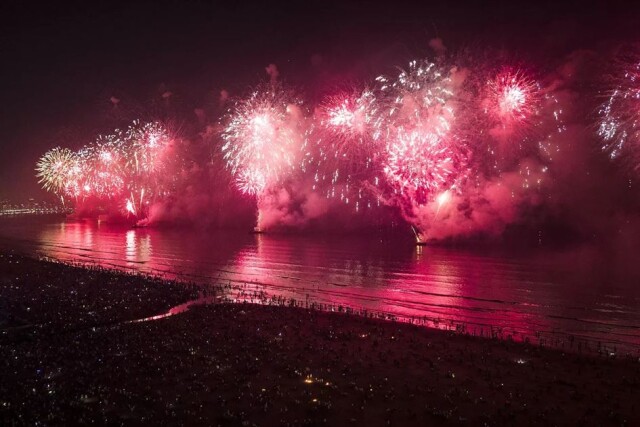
70	354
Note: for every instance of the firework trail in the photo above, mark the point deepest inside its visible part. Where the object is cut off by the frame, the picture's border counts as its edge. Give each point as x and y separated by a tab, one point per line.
102	163
146	165
521	121
619	115
509	119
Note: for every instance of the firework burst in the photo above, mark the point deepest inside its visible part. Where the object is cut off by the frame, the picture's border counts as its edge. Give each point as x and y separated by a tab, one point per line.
147	147
352	121
424	155
347	145
146	162
619	124
520	118
428	140
263	137
513	98
56	168
125	168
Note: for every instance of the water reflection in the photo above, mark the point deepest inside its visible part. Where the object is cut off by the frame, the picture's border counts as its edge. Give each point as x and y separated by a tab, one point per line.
138	246
79	234
574	292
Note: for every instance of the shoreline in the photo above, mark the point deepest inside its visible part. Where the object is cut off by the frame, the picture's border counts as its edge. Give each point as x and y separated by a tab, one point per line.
238	363
256	292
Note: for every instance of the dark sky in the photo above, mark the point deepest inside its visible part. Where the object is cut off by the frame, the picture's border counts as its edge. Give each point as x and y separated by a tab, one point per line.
62	62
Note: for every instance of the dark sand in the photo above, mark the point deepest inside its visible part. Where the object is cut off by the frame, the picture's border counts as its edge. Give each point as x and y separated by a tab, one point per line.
260	365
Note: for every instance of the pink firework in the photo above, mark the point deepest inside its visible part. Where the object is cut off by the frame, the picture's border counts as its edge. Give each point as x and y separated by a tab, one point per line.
75	186
103	169
424	156
619	114
147	147
419	164
251	181
147	159
513	98
125	169
347	144
514	113
263	137
351	118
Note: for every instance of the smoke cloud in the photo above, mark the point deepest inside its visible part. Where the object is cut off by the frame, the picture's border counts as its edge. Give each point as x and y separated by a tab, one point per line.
272	72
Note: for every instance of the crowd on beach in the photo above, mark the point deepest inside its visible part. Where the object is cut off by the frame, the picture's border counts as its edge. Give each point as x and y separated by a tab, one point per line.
38	295
274	363
244	364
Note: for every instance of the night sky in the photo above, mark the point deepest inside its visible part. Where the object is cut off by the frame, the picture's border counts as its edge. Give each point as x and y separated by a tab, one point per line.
61	63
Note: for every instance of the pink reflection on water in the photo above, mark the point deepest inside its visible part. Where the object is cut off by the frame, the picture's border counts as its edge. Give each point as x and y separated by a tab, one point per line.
450	289
441	287
79	234
138	247
489	294
574	292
